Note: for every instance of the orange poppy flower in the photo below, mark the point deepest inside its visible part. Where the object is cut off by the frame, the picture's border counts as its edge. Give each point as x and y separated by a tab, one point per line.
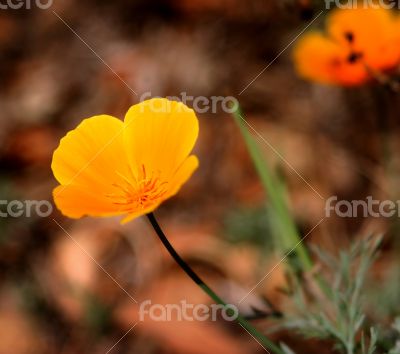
107	167
358	45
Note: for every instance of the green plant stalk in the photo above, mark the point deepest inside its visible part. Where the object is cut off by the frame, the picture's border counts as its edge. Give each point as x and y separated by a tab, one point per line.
288	237
263	340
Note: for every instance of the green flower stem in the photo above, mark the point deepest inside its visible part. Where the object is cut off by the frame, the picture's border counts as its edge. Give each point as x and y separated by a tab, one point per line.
288	236
263	340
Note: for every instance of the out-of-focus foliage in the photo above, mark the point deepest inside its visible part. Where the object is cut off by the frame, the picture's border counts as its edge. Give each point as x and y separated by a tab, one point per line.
337	313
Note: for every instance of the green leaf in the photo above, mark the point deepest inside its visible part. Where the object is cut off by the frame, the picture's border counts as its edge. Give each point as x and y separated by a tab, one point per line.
286	234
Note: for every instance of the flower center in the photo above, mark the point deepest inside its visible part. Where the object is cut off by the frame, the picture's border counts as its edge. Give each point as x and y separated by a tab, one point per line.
138	193
354	56
349	36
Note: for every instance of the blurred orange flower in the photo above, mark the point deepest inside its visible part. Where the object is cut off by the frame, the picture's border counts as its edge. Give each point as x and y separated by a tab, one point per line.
359	44
108	167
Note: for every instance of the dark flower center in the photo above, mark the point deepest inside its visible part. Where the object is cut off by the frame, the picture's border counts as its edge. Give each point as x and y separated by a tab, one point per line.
354	57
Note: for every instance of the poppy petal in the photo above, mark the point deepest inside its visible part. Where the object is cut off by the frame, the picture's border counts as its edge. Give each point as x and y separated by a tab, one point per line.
370	31
315	56
91	154
159	135
75	202
183	173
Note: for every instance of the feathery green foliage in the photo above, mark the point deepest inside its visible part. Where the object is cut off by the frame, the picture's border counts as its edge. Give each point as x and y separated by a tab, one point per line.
337	314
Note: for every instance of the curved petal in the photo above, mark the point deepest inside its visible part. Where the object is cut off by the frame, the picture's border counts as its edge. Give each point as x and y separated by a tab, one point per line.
322	60
370	31
159	135
90	163
92	155
137	213
183	173
76	202
366	26
315	56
